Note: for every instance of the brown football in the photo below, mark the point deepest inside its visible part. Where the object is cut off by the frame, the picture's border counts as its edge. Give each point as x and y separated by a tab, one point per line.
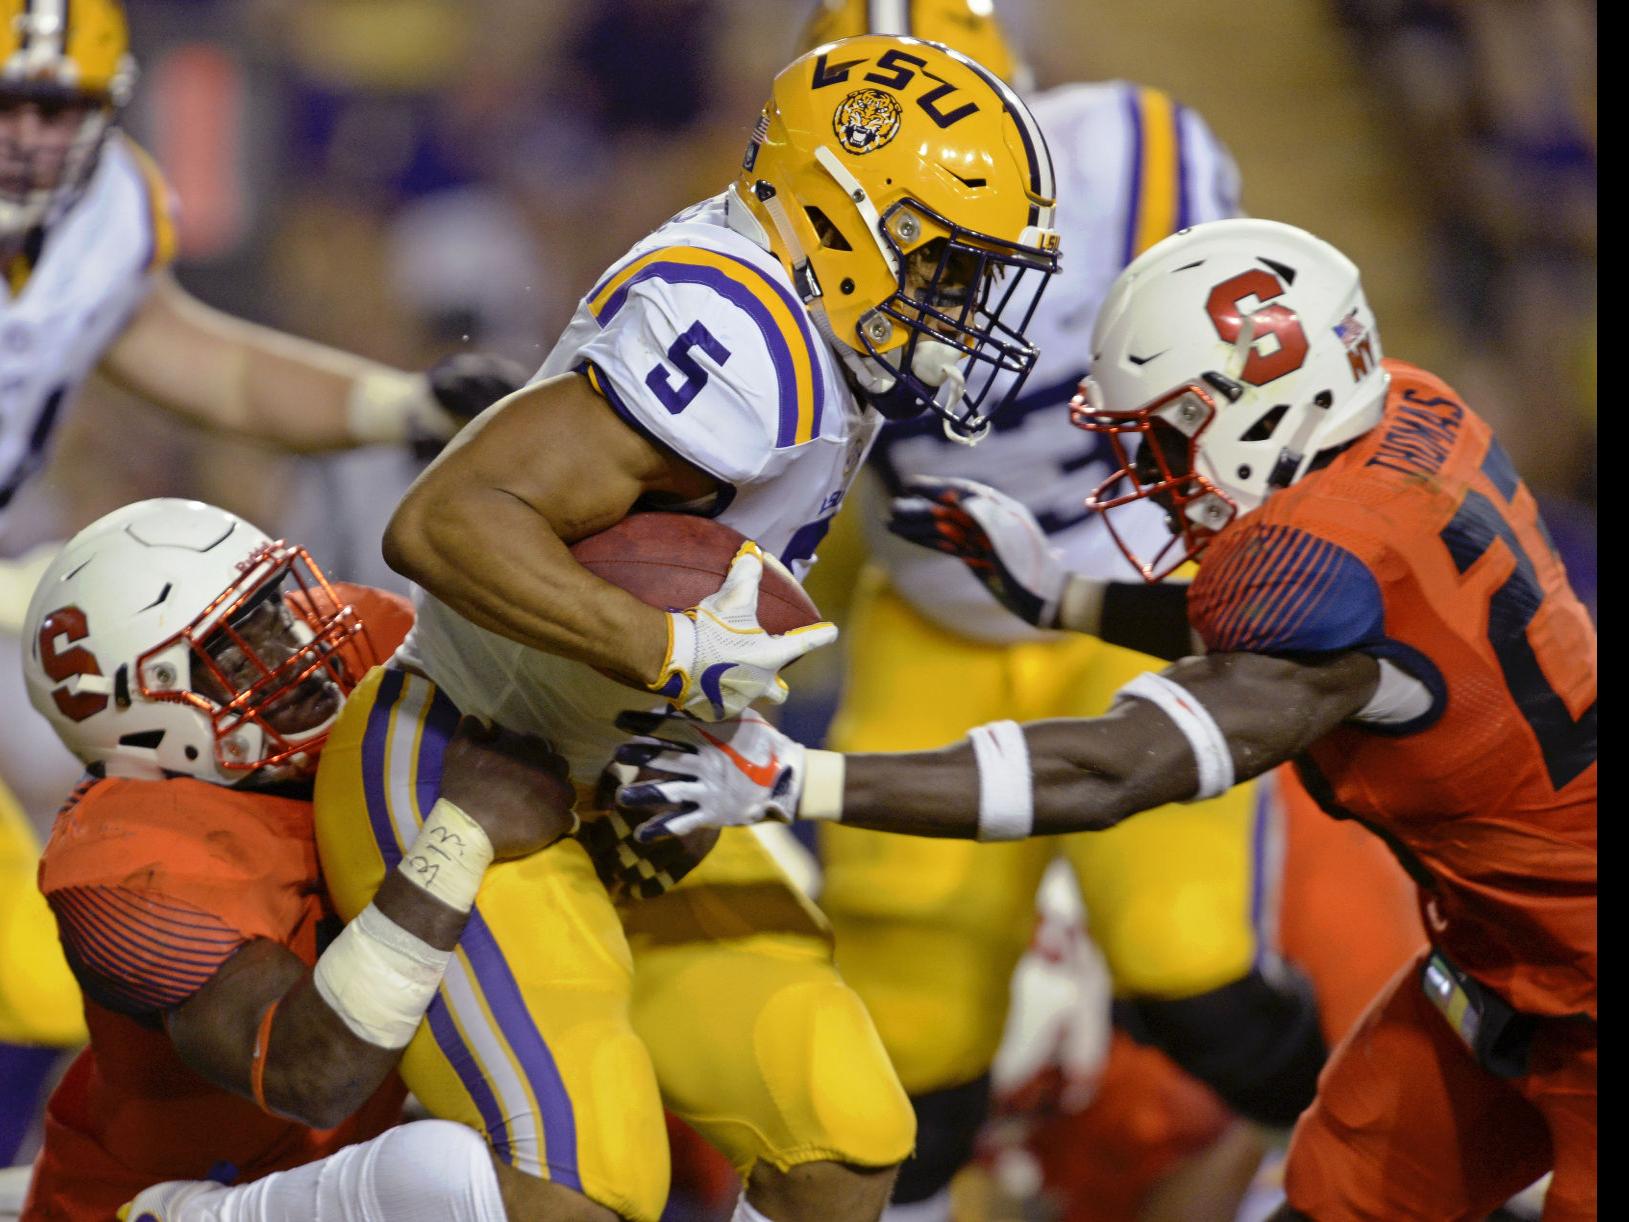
674	560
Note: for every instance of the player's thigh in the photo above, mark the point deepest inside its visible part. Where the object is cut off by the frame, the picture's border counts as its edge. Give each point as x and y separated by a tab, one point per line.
529	1039
758	1043
1562	1085
1407	1125
39	1000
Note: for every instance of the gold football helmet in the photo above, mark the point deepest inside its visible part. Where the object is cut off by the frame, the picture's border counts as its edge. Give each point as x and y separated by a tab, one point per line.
65	73
970	26
909	192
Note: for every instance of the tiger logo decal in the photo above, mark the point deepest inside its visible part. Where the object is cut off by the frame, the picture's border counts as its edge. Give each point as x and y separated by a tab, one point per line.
866	120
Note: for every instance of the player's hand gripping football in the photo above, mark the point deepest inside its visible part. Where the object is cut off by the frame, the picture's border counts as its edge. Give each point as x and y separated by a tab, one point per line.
725	774
719	660
996	537
513	785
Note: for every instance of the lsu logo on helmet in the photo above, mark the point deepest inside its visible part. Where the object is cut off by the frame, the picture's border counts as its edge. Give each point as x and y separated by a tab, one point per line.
866	120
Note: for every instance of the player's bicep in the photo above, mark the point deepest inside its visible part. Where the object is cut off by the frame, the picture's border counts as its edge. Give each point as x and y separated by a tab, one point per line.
214	1031
1271	708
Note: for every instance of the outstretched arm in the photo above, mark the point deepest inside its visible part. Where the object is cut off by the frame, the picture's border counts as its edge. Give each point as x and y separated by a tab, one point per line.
238	377
1005	782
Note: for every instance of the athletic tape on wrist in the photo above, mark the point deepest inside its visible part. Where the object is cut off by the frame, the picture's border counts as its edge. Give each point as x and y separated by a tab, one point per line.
385	406
379	978
449	856
822	797
1006	787
1205	737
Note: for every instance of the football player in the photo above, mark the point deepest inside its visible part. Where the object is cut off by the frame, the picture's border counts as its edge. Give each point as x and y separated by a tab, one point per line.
1177	904
1381	604
87	233
878	253
195	666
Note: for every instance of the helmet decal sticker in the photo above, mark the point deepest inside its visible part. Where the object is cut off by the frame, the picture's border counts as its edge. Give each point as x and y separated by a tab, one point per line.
866	120
68	623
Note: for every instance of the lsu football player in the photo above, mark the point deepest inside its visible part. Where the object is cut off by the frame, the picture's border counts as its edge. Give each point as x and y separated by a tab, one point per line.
928	932
87	232
878	253
194	665
1381	603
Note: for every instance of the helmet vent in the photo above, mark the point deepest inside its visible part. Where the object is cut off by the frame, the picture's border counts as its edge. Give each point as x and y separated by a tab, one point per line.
121	686
162	595
1264	428
831	238
1283	269
146	739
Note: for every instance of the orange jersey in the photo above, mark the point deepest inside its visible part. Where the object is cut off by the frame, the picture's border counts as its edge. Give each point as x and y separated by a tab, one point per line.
155	884
1419	545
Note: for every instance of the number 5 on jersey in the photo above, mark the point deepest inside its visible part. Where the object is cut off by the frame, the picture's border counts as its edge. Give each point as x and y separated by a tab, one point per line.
677	398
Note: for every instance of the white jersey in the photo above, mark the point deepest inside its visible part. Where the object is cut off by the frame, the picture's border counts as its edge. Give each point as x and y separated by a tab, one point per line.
94	269
1132	167
697	339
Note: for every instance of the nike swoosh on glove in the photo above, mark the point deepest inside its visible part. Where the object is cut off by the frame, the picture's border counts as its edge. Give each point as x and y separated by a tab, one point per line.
719	659
694	775
994	535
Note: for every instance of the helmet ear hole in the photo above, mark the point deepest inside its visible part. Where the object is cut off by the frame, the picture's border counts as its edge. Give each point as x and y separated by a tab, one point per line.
831	238
1266	424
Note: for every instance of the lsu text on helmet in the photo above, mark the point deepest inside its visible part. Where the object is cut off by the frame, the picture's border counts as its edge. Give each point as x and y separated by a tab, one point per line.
65	74
171	637
909	192
1236	352
968	26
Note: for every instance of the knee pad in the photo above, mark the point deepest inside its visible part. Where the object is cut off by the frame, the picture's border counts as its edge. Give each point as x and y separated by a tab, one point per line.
430	1169
1255	1042
947	1123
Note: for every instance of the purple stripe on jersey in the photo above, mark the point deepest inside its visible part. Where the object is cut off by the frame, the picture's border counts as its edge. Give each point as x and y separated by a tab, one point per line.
93	914
462	1059
1135	113
1302	584
439	725
136	913
1184	216
152	983
374	740
514	1020
737	294
800	315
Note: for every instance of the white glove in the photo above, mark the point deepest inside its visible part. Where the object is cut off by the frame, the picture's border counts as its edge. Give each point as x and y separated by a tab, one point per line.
995	536
718	659
727	774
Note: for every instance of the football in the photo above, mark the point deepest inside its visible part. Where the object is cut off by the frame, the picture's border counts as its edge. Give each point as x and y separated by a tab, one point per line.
674	560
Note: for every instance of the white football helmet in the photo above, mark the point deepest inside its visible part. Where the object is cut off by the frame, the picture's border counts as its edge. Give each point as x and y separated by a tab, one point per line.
171	637
1238	351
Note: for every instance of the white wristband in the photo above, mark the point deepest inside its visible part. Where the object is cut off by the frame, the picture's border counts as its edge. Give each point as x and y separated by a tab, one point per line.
388	406
1209	745
822	797
449	856
379	978
1006	788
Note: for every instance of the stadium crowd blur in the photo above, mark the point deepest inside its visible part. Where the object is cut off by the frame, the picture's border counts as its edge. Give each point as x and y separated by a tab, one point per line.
406	178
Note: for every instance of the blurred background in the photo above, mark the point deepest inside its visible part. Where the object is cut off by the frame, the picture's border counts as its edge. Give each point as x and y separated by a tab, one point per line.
407	178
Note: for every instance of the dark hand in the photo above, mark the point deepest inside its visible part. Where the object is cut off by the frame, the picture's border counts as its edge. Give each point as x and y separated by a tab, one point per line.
466	384
513	785
629	869
993	534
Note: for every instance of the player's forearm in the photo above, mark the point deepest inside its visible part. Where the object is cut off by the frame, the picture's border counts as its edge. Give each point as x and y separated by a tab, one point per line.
501	565
1076	775
238	377
329	1071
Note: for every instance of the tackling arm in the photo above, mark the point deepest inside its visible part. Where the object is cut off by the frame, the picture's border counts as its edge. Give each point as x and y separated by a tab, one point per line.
315	1043
238	377
1006	781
